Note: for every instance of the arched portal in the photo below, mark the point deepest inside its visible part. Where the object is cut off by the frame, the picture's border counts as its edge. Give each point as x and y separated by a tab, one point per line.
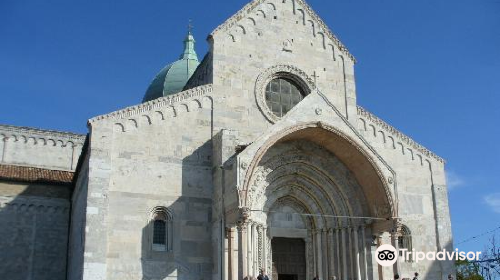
314	184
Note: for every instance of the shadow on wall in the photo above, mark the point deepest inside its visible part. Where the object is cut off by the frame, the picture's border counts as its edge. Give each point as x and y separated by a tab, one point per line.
33	230
176	242
437	270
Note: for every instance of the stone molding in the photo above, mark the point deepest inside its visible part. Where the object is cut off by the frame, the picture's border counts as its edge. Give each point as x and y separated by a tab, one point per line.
277	71
323	28
156	104
35	205
252	159
390	131
40	136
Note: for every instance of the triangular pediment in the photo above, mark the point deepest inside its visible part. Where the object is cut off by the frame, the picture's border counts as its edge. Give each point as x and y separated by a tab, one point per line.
299	8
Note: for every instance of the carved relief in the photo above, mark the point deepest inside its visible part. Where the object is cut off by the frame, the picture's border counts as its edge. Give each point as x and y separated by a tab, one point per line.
288	45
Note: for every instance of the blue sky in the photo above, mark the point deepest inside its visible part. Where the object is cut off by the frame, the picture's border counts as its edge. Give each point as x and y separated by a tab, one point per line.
431	68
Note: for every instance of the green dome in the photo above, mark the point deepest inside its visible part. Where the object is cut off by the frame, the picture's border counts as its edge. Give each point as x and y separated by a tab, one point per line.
173	77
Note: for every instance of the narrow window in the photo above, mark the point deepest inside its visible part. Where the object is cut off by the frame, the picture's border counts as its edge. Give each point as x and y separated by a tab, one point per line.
404	242
161	229
160	233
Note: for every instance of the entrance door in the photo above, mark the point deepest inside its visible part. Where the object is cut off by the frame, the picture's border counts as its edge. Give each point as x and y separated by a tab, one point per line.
289	258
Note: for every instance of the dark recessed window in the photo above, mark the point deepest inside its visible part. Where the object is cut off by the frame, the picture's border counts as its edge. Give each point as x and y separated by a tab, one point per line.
282	95
160	232
404	241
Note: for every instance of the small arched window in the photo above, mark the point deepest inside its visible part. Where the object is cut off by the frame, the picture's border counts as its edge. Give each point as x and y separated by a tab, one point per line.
161	223
404	242
282	95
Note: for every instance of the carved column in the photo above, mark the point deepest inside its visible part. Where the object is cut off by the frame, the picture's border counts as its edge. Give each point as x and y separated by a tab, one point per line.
331	254
260	247
356	254
351	252
255	250
230	260
365	256
225	257
264	249
344	254
337	253
394	241
325	251
242	251
319	255
249	249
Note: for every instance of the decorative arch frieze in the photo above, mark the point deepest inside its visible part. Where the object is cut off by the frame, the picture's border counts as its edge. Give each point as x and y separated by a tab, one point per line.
263	9
38	137
159	110
397	140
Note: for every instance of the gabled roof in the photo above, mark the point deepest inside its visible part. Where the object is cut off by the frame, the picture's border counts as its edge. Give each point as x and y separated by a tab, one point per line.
252	6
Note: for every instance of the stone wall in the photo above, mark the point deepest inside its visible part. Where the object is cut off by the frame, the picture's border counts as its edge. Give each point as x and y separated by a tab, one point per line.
422	193
33	231
40	148
78	222
155	154
287	36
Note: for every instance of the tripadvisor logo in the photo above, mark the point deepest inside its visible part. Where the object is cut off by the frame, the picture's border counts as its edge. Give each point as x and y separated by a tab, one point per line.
387	255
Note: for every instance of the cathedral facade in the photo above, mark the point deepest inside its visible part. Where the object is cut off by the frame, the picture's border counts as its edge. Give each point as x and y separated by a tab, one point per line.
256	157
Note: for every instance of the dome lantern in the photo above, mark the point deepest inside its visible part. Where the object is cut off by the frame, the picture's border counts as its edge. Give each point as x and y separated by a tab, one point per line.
173	77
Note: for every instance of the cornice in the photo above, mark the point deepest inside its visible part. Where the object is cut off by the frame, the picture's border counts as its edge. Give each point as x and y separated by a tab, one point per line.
399	135
155	104
9	130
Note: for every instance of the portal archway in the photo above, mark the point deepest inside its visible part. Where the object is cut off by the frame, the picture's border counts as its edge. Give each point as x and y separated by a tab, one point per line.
336	188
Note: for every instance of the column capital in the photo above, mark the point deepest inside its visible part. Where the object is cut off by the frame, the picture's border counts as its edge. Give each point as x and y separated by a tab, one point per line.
241	226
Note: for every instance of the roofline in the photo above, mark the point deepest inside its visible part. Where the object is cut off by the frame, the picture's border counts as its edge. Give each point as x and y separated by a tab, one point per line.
154	104
401	136
38	180
27	129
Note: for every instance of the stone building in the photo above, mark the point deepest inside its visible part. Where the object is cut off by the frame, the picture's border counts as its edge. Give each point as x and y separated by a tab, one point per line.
256	157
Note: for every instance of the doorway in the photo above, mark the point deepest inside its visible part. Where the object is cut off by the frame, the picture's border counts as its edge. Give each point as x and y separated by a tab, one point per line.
289	258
